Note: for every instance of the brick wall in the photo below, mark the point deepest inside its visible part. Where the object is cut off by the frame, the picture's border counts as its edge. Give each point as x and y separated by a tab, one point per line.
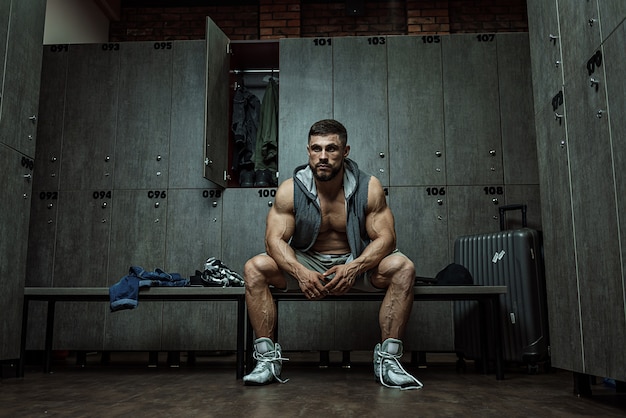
271	19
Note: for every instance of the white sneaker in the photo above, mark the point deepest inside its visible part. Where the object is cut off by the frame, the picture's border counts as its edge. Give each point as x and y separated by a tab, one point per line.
269	363
387	367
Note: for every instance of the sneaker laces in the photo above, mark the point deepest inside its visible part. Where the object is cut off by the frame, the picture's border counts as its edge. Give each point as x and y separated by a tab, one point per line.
270	357
396	366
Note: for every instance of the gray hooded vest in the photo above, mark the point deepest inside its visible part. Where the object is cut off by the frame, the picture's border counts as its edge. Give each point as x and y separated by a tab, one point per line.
308	214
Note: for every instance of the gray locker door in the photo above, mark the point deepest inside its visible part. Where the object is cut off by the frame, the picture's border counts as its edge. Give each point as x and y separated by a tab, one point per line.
360	100
50	124
558	238
15	191
194	229
41	238
138	231
143	125
82	241
138	228
545	50
580	35
217	106
91	117
519	148
471	103
593	191
421	217
22	75
81	256
415	91
473	210
243	224
305	96
187	120
612	13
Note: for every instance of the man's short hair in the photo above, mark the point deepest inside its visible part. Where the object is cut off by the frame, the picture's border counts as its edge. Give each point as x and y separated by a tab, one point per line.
326	127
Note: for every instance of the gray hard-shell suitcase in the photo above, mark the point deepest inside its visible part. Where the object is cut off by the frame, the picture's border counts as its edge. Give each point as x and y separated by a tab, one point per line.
513	258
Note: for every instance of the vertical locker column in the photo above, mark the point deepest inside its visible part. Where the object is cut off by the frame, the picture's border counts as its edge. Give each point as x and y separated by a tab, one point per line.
418	176
472	134
139	213
554	173
46	176
305	96
593	191
614	70
360	100
15	195
194	210
85	197
22	75
471	107
519	148
558	237
416	145
360	103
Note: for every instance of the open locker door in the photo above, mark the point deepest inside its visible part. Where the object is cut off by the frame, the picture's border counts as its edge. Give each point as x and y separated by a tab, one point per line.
216	124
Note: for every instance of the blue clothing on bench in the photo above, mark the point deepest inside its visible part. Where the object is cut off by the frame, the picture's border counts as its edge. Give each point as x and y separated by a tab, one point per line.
124	294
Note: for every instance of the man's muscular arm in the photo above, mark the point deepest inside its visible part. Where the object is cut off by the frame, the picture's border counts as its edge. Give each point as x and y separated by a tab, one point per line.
280	228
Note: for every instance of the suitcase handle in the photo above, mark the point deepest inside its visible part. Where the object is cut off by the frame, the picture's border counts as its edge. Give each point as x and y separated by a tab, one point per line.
506	208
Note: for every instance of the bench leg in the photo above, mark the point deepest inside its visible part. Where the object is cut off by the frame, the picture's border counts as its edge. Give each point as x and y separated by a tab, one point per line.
173	358
497	335
20	364
324	359
153	359
47	365
345	361
241	330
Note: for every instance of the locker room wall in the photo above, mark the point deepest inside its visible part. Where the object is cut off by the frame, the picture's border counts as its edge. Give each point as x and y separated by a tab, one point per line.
136	199
578	71
120	183
21	33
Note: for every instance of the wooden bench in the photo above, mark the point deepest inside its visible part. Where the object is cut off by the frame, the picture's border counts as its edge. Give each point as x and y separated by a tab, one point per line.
52	295
488	298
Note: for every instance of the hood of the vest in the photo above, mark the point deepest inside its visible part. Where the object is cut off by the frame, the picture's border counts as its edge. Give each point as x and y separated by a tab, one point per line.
304	176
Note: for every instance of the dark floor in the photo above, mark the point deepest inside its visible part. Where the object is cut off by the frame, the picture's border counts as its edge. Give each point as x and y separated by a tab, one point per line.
127	387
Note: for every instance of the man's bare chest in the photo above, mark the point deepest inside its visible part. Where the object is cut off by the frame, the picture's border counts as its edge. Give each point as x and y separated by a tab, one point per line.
334	216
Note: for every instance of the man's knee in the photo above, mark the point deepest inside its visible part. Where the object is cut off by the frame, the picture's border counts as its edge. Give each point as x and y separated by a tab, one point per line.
258	269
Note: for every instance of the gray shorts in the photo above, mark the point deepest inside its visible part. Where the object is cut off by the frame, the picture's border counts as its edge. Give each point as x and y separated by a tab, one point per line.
321	262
